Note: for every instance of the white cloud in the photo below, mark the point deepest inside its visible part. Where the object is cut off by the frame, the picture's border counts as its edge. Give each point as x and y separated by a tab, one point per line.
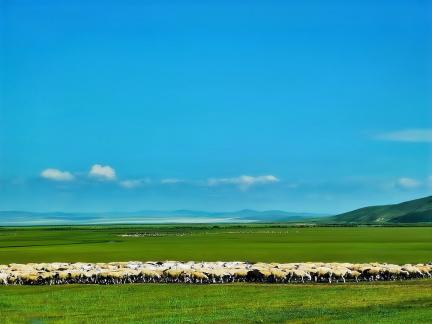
57	175
171	181
133	183
102	172
408	135
408	183
429	181
244	181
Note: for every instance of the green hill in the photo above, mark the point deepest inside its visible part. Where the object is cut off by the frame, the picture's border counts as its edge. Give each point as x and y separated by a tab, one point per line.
413	211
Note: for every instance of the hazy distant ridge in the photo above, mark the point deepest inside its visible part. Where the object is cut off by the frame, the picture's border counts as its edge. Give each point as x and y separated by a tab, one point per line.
147	216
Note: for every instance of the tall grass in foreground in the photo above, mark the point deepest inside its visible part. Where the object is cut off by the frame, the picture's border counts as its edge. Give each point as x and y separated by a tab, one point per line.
391	302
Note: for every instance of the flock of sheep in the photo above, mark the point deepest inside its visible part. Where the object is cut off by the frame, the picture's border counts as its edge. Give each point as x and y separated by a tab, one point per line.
204	272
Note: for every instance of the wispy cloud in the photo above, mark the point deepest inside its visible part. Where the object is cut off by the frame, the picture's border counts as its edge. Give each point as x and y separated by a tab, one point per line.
244	181
408	183
408	135
102	172
133	183
57	175
171	181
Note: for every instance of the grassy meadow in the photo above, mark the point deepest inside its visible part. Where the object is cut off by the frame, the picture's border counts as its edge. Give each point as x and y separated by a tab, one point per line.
268	243
383	302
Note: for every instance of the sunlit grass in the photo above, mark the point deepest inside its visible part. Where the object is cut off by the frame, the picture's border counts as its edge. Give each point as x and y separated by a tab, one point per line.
392	302
385	302
248	243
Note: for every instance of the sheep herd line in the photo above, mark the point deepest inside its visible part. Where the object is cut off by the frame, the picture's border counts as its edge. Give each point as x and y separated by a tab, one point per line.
205	272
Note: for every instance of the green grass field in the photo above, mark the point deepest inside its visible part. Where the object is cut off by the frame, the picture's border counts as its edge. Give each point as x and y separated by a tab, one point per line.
406	302
389	302
209	243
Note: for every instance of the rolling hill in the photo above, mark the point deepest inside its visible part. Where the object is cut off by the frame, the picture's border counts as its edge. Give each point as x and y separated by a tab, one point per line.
413	211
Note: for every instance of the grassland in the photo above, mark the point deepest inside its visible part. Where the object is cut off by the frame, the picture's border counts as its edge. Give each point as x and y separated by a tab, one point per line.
212	243
386	302
406	302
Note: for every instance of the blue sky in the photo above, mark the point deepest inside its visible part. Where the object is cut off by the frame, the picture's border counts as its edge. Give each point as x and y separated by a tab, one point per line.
214	105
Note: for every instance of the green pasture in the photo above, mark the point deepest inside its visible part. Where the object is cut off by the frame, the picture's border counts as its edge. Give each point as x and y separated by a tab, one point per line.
271	243
385	302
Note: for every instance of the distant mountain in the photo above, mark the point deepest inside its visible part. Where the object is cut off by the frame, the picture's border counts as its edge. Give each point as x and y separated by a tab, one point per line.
413	211
272	215
21	218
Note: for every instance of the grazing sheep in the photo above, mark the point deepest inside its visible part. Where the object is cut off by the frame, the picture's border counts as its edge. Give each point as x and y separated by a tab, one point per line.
240	274
426	270
221	275
172	275
324	274
204	272
134	265
354	274
339	273
149	275
199	277
300	274
413	271
62	276
258	274
30	278
278	275
372	273
3	278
